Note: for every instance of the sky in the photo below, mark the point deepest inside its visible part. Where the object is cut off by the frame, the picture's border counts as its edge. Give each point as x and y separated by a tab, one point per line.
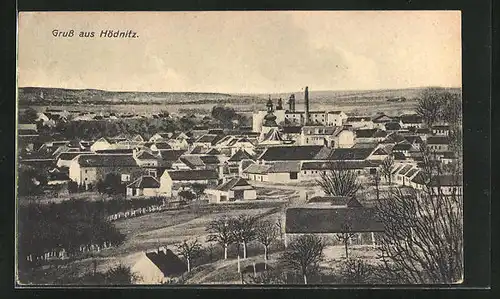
242	52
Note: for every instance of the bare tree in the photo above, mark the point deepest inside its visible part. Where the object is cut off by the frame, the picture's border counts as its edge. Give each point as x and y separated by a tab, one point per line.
279	225
304	254
190	251
423	238
386	168
339	180
430	106
356	271
375	179
243	229
220	231
451	111
266	233
346	233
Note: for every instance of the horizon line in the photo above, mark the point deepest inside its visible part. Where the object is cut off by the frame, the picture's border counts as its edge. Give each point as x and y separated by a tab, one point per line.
249	93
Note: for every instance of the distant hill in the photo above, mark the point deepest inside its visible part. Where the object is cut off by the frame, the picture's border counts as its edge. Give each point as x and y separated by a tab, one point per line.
408	93
60	96
42	95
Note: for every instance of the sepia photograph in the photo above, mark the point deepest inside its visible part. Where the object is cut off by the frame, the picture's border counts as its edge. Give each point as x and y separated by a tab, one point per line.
246	148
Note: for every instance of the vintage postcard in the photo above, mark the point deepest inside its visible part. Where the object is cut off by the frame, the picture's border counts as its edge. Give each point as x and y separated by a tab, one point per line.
239	148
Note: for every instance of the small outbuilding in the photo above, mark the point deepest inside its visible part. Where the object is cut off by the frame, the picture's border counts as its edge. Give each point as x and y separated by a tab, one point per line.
144	186
235	189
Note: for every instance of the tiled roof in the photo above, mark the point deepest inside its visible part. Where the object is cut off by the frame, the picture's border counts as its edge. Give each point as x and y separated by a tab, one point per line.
257	169
292	130
358	118
397	168
69	155
284	153
336	201
411	119
210	138
198	150
169	263
234	182
412	172
395	137
192	175
192	161
437	140
351	153
380	134
214	152
106	160
322	130
210	160
366	133
332	220
240	155
145	182
402	147
143	155
380	151
328	165
272	135
162	145
381	118
405	169
398	156
171	155
392	126
116	151
413	139
284	166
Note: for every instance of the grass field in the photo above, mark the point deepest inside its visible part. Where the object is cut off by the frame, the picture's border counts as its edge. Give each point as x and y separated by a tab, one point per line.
149	232
354	107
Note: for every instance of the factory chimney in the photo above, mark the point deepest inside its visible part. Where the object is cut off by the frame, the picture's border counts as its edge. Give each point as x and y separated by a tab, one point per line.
291	103
306	100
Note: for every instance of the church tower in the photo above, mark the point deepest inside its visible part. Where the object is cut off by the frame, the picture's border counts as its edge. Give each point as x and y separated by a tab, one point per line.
270	118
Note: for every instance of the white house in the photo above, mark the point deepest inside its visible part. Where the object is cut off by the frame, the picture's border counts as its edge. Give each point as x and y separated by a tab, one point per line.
65	159
441	130
335	118
101	144
86	169
160	137
158	266
328	136
411	121
360	122
144	186
235	189
173	180
145	159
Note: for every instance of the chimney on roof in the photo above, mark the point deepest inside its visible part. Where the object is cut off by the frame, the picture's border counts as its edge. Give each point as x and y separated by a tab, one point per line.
306	100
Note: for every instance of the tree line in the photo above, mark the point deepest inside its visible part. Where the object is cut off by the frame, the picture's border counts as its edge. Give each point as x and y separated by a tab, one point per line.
67	225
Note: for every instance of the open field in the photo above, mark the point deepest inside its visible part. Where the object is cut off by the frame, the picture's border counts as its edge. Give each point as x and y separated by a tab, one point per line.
150	231
362	108
351	102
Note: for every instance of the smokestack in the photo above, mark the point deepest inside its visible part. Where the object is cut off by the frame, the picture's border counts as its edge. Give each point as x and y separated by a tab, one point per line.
306	99
291	103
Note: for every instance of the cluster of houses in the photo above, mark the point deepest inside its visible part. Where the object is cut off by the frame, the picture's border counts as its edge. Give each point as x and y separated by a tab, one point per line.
50	117
228	161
